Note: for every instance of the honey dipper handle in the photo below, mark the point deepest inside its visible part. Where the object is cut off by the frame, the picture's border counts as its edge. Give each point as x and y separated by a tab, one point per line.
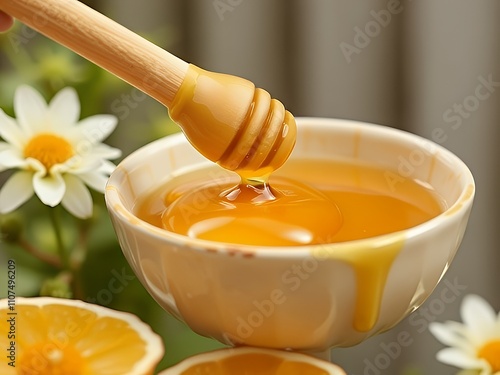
113	47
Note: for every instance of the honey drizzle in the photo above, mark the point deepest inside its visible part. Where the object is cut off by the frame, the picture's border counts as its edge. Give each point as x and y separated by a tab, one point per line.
371	265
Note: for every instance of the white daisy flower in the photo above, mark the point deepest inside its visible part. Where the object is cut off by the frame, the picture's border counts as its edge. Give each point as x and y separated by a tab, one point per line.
55	154
474	345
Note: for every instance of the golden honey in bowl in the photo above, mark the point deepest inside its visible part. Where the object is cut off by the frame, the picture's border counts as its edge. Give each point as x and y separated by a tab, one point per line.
325	202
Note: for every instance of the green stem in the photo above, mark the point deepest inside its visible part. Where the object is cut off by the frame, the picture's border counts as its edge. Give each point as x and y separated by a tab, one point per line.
56	224
37	253
77	259
77	285
80	252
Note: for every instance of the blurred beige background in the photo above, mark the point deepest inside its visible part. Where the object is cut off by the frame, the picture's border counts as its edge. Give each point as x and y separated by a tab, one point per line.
413	65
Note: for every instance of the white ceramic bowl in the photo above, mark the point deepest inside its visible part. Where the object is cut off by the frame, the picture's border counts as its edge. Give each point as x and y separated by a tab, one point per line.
305	298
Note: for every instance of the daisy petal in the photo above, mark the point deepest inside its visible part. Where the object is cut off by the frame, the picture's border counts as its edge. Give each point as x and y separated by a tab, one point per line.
50	189
104	151
17	190
77	199
64	108
456	357
478	315
4	146
60	169
95	180
10	131
11	159
91	164
106	167
31	110
444	334
453	334
97	128
36	166
82	164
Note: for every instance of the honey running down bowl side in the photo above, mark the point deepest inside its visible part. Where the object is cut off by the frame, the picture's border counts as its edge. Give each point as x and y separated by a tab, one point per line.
305	298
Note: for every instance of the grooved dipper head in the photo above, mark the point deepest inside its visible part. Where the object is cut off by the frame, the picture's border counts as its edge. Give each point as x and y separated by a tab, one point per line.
232	123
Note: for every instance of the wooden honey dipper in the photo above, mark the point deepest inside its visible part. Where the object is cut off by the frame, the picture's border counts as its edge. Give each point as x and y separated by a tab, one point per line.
224	117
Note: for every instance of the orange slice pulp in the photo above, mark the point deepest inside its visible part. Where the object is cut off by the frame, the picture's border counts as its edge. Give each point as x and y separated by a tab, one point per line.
51	336
253	361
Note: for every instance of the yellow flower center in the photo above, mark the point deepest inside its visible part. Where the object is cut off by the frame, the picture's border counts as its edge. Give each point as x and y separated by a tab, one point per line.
49	149
47	359
491	353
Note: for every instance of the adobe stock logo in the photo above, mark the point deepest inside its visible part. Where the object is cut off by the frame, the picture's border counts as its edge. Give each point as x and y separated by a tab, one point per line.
458	112
380	363
372	29
116	284
223	6
292	279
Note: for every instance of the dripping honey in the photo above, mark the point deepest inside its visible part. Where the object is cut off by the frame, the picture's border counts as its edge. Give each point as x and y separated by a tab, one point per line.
325	202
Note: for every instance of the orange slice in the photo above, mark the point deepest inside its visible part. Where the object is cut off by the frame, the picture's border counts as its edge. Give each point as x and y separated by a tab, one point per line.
253	361
51	336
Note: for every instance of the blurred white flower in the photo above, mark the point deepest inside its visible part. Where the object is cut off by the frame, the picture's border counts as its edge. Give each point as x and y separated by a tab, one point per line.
55	154
474	345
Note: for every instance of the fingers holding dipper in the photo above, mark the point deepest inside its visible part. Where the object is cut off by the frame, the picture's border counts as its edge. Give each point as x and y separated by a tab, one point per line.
6	21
